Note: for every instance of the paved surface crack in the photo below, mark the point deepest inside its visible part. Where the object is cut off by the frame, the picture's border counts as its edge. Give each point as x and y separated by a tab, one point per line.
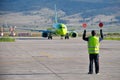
48	69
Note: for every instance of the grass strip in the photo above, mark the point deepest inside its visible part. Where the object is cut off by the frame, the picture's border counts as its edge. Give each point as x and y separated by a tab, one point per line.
7	39
111	38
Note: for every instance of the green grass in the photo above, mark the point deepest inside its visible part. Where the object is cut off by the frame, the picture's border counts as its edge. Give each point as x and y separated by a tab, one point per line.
111	38
7	39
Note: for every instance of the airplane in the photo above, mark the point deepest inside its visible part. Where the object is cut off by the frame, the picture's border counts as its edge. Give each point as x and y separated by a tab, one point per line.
59	29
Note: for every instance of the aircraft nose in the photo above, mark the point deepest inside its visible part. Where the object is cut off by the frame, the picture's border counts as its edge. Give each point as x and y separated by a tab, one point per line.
63	29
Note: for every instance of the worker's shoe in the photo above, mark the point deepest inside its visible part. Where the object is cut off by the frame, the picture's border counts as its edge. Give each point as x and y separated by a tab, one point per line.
90	72
98	73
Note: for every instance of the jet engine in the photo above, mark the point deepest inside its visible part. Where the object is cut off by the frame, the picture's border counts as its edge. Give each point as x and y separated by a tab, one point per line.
45	34
74	34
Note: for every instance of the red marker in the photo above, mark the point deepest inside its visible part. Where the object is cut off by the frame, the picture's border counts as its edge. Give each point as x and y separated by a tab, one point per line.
100	24
84	25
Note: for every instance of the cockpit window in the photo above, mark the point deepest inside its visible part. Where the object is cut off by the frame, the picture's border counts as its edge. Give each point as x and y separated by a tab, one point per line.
61	26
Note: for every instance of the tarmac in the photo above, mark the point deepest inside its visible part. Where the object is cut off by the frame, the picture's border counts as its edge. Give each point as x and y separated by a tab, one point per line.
42	59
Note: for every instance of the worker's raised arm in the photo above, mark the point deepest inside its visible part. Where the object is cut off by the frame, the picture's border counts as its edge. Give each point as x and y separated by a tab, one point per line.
84	36
101	33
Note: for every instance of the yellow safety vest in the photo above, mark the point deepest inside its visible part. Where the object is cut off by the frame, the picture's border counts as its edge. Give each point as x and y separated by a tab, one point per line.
93	45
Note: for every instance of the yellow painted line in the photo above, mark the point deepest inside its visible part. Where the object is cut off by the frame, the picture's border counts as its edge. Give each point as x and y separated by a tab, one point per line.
44	54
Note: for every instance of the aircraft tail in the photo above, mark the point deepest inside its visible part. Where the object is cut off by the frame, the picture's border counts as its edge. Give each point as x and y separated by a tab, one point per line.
56	14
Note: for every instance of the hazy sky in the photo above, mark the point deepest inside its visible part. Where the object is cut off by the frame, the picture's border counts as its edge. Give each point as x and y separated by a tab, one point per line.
89	0
94	1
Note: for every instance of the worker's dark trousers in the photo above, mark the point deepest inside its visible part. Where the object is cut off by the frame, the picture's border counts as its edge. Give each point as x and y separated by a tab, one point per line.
94	58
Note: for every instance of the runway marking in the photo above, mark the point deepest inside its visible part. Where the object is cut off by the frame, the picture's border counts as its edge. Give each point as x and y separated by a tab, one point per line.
44	54
35	74
15	62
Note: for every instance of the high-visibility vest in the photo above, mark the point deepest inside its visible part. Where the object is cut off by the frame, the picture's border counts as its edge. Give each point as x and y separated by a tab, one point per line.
93	45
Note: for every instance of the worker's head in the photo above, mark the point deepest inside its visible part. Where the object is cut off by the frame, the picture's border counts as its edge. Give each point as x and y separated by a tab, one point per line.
93	32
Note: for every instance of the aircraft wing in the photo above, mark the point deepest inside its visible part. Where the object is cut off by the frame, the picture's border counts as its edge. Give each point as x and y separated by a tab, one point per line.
37	30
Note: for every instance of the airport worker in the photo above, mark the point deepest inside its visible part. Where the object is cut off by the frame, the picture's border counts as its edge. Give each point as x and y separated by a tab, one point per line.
93	49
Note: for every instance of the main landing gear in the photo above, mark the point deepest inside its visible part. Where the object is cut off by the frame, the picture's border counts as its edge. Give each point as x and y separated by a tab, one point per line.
67	36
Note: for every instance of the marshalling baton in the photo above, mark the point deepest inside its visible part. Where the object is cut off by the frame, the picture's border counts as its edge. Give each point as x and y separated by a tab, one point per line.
100	24
84	25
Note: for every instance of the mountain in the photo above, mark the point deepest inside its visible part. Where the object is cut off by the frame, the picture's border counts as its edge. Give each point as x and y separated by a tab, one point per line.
69	6
72	12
